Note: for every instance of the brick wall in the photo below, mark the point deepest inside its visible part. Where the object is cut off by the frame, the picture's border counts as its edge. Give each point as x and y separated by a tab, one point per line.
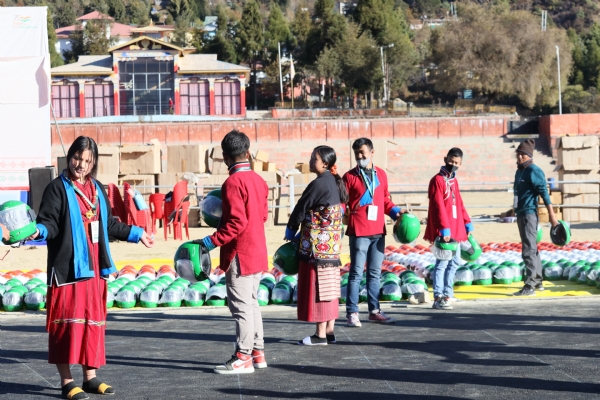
415	148
553	127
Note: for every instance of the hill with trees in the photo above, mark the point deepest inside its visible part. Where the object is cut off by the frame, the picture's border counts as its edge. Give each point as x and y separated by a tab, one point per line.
494	47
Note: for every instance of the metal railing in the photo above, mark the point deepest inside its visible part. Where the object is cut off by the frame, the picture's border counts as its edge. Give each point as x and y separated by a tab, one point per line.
292	189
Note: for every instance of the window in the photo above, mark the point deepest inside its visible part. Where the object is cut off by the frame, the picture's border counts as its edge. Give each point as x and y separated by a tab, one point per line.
227	97
99	99
65	99
146	85
195	97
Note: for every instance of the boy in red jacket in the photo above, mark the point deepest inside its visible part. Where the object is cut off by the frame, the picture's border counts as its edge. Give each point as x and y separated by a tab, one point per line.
447	219
241	236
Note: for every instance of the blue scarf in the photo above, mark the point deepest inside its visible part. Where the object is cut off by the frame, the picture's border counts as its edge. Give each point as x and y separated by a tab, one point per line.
80	246
367	198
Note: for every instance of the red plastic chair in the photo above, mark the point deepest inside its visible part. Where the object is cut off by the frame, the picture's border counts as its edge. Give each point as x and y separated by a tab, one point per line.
179	193
136	217
156	208
181	219
116	203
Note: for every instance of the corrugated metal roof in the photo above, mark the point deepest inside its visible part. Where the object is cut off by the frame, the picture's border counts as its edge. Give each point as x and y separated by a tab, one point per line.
86	65
207	62
95	15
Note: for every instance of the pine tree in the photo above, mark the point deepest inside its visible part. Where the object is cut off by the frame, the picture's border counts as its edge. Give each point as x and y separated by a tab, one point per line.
250	38
55	58
278	31
222	43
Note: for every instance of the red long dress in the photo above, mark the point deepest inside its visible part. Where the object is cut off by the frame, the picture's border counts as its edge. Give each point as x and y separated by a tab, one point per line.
76	317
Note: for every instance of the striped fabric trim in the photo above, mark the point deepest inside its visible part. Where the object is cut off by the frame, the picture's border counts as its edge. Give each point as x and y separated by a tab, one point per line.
79	321
328	283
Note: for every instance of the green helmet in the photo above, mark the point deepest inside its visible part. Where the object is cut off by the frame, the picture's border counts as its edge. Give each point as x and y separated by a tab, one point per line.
560	234
452	245
471	252
192	263
539	234
19	219
407	228
212	208
285	258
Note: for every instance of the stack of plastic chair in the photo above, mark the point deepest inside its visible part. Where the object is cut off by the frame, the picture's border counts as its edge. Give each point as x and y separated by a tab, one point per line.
117	206
156	208
180	192
136	217
181	219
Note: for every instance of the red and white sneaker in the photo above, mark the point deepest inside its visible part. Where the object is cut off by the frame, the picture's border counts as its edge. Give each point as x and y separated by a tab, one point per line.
239	363
258	359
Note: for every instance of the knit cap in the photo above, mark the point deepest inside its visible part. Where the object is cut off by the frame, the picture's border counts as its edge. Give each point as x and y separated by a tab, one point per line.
527	147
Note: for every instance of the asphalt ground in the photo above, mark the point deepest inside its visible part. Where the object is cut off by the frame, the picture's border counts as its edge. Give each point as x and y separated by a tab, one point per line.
531	349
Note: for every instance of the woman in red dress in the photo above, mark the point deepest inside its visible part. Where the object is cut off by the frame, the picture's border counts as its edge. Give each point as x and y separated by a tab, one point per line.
75	220
319	213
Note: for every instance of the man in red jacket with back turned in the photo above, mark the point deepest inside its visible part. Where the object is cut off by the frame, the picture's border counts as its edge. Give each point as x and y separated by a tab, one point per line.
369	200
241	236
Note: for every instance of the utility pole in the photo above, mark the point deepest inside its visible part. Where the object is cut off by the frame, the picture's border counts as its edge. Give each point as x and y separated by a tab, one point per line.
559	89
383	70
544	20
280	76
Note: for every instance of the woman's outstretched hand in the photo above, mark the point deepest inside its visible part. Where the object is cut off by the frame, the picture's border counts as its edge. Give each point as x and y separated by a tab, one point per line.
147	240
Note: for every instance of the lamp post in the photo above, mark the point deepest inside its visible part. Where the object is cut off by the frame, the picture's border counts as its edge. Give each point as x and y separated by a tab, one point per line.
383	70
559	90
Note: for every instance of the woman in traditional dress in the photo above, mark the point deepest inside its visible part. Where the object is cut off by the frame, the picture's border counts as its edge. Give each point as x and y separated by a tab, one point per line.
75	219
319	212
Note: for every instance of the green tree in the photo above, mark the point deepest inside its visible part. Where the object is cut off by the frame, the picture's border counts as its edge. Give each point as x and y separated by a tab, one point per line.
116	9
328	65
55	58
222	44
180	8
278	31
359	60
64	13
90	40
180	34
499	54
199	7
301	25
138	12
250	39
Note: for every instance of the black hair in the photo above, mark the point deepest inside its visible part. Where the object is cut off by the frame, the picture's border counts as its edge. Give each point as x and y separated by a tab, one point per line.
329	157
81	144
454	152
235	144
360	142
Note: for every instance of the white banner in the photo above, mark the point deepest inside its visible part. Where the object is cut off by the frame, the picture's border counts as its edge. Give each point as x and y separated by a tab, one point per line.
25	95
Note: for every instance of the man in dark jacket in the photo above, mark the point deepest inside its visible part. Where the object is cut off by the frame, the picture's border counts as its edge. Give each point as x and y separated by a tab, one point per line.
530	182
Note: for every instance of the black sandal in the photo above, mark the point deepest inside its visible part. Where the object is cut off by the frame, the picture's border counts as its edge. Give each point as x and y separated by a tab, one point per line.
73	392
94	385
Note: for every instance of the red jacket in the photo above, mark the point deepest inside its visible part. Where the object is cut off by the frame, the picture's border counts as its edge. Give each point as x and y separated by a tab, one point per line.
440	210
358	224
241	231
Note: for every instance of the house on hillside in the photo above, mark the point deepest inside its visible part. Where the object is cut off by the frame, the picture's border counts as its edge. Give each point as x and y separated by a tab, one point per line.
209	26
121	32
147	76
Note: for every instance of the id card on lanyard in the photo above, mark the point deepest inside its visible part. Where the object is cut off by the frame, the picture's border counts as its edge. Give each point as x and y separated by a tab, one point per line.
372	210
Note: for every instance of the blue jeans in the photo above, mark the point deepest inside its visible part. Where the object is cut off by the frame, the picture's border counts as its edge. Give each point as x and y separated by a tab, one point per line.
369	250
443	276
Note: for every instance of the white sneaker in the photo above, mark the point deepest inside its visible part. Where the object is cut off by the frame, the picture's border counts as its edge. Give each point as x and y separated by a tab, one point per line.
353	321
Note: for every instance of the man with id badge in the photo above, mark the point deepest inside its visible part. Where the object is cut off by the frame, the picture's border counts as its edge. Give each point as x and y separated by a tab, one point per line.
447	220
530	182
369	199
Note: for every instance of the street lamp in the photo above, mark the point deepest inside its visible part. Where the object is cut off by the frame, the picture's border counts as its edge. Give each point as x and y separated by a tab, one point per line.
559	91
383	70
